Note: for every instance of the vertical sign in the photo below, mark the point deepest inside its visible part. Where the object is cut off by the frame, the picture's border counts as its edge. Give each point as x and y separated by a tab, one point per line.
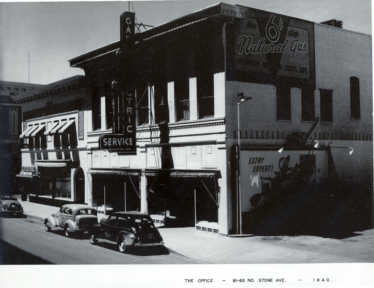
123	139
127	20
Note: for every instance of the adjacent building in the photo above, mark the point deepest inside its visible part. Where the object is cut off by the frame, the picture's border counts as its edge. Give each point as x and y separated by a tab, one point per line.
223	96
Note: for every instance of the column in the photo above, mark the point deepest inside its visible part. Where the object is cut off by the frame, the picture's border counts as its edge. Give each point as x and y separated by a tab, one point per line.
219	94
151	103
193	98
88	189
72	184
103	112
171	102
143	193
317	101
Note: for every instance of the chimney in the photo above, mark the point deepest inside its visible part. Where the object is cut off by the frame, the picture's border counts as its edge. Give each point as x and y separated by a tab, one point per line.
333	22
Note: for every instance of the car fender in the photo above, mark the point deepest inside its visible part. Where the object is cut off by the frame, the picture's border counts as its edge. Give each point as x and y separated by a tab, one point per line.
51	220
71	225
129	240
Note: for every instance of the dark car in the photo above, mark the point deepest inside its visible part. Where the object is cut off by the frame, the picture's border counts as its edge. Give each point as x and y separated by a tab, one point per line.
128	229
9	205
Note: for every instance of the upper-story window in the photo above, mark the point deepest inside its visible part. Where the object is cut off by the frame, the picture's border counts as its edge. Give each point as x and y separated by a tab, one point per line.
142	104
307	104
96	110
355	98
182	99
326	105
205	94
283	102
161	102
108	106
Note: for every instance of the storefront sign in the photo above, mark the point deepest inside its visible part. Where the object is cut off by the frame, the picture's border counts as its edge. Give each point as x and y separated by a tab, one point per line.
265	46
117	142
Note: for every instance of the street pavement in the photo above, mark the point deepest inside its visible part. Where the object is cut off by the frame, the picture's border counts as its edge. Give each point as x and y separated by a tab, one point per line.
187	245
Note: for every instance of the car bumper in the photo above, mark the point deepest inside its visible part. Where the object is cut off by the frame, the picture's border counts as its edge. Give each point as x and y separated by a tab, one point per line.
139	244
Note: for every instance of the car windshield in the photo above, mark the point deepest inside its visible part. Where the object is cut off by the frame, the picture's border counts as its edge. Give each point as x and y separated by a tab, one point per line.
86	212
7	197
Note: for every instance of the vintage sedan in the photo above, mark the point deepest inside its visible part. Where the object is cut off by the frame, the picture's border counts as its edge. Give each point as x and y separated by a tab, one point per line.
128	229
73	219
9	205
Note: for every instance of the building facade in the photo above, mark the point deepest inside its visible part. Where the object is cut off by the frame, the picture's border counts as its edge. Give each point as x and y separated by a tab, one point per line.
302	90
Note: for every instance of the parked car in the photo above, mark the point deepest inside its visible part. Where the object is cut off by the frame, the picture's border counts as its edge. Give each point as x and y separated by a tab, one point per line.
73	218
128	229
9	205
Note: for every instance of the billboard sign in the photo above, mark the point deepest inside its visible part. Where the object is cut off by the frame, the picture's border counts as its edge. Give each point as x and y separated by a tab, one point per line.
265	46
267	175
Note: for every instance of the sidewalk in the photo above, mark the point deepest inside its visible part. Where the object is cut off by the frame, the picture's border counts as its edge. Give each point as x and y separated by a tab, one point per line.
208	247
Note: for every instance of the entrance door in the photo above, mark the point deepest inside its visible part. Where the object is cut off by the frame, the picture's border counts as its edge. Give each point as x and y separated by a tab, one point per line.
79	186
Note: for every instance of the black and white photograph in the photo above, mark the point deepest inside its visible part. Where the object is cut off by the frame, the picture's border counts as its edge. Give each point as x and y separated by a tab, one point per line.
181	134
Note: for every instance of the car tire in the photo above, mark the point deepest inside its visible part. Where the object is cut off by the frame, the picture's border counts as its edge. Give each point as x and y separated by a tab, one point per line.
67	233
121	244
93	239
47	227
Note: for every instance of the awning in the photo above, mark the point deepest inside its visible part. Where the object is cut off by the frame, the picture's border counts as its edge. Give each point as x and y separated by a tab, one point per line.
37	131
24	174
27	131
56	128
54	164
47	131
64	128
181	173
115	171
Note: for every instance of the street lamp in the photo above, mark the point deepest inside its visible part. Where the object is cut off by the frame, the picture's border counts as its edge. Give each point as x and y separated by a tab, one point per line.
241	99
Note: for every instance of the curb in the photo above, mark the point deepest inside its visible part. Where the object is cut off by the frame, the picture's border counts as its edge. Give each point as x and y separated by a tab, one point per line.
34	217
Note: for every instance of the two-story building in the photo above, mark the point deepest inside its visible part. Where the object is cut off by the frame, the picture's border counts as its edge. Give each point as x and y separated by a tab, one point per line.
188	81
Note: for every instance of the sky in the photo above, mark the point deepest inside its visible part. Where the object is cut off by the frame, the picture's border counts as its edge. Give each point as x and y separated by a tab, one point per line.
46	35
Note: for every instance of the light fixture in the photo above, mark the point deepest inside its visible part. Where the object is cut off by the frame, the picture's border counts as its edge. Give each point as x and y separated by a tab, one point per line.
316	144
281	150
351	150
243	98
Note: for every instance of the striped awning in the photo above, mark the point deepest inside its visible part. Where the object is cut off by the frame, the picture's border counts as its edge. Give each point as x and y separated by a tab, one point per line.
37	131
28	131
56	128
65	127
47	131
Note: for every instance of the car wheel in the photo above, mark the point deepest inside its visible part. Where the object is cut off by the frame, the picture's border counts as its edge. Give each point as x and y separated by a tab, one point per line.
67	233
47	227
121	245
93	239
